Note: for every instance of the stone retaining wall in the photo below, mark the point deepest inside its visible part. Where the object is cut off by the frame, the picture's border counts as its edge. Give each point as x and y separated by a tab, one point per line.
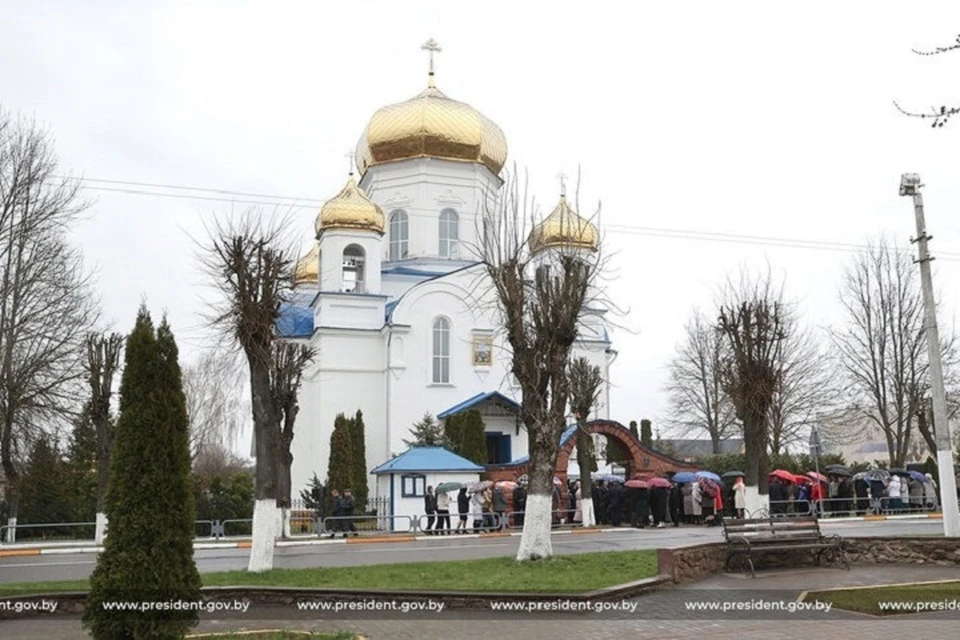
692	563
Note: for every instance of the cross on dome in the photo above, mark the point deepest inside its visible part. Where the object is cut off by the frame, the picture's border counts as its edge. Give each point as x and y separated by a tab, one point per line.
432	47
562	177
352	157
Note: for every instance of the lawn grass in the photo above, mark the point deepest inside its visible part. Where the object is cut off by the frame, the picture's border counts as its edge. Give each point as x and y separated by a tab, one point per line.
274	635
867	600
560	574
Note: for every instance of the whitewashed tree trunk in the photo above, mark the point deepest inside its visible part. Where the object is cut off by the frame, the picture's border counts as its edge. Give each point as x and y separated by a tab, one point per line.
755	504
266	527
535	542
101	531
11	530
587	516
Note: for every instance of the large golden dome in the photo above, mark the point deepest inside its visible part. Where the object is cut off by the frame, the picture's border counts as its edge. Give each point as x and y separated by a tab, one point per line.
431	125
308	267
564	228
350	209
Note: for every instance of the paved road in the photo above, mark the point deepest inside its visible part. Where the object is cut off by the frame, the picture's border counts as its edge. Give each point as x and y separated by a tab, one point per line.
78	566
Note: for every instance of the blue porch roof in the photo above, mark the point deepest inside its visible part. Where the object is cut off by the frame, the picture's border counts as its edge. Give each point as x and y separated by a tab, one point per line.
427	459
469	403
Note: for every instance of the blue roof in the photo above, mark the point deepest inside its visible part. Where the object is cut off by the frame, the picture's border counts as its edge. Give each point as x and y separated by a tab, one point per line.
294	322
426	459
477	399
410	271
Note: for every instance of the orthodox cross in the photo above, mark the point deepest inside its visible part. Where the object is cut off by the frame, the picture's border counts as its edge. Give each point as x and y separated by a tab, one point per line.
431	46
352	158
563	184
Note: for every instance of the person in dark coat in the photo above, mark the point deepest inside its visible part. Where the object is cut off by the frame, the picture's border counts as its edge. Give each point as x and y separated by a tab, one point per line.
675	501
430	508
463	508
601	503
628	505
615	501
777	496
337	524
658	505
642	509
519	505
499	506
556	505
877	493
346	509
846	494
861	488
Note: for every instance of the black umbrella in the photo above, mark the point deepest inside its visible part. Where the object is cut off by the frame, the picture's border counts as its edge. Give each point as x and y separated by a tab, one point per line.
838	470
900	472
734	474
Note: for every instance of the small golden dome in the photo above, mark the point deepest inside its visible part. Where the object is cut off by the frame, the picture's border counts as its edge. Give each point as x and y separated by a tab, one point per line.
564	228
431	125
350	209
308	267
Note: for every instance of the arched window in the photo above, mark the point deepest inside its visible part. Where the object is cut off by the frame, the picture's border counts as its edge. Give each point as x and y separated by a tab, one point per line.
399	234
449	234
353	268
441	351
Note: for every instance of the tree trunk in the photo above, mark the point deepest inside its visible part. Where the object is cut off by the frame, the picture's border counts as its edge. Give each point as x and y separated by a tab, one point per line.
267	523
13	481
535	542
584	460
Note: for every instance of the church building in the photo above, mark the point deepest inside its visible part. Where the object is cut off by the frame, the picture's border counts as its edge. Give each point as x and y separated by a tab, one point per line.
393	298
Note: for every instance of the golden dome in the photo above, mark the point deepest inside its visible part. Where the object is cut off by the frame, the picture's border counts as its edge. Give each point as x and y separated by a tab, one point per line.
564	228
307	270
431	125
350	209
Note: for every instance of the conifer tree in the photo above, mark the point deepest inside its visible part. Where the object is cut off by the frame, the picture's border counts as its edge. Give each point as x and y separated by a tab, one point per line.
646	433
633	429
427	433
148	554
82	464
340	467
360	488
46	494
473	441
453	431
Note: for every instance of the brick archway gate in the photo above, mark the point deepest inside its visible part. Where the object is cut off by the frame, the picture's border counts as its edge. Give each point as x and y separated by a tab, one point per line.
640	459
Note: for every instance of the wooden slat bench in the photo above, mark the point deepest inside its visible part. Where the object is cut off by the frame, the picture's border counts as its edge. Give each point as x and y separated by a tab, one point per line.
749	538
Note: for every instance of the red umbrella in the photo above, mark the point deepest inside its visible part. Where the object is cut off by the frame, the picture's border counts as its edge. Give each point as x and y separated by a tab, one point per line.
636	484
801	479
659	482
817	476
783	474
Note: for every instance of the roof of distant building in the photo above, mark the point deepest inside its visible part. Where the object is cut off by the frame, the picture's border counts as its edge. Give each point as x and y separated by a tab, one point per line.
695	447
489	396
428	459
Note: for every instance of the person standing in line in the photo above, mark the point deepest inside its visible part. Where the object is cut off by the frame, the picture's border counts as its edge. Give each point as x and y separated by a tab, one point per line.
696	506
348	505
519	504
739	497
463	507
337	513
930	501
675	501
443	514
499	507
476	508
430	508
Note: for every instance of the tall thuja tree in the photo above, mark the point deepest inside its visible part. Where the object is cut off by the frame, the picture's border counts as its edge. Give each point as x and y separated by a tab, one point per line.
250	264
753	318
341	464
146	557
82	465
646	433
585	385
358	442
473	439
542	284
102	360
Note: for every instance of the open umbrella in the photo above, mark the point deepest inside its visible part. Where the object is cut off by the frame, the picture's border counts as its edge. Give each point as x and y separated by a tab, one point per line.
447	487
817	476
683	477
658	482
900	472
733	474
839	471
508	485
802	479
916	475
710	475
783	474
479	486
636	484
612	478
876	474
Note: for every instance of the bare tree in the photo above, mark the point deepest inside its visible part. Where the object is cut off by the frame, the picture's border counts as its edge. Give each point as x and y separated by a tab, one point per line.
940	115
289	361
698	401
586	384
103	359
250	262
213	386
541	296
753	319
882	346
803	391
46	302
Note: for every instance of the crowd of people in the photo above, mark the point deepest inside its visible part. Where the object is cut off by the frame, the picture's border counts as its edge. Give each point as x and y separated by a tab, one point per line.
485	510
877	492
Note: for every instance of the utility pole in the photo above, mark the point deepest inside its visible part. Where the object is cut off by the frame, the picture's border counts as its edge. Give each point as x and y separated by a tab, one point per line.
910	186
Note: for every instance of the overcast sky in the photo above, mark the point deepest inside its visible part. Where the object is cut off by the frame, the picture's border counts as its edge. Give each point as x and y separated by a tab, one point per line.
752	118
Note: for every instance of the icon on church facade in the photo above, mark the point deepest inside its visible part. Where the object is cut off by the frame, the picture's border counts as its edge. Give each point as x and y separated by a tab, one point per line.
482	351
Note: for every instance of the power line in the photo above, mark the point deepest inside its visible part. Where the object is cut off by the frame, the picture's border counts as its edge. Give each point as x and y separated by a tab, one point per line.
274	200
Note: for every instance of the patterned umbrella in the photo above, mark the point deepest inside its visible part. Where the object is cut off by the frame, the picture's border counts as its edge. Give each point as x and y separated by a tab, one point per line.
656	482
636	484
476	487
508	485
817	476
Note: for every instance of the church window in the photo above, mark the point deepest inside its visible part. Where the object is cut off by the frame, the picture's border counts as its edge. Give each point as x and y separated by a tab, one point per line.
441	351
413	486
399	234
353	268
449	234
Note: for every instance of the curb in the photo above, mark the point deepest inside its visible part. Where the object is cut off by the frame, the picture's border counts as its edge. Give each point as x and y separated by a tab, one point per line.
908	516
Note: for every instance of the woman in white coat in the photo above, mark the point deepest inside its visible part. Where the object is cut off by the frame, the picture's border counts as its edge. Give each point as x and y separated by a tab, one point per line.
697	509
739	496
